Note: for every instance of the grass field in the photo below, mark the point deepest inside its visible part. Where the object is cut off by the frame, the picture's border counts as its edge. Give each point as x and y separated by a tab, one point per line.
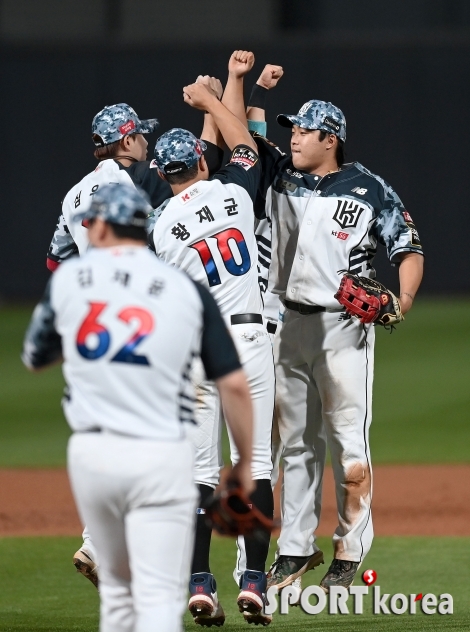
421	396
421	403
41	592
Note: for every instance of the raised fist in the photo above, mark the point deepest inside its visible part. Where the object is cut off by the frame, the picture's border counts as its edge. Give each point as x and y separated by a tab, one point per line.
198	96
240	63
270	76
212	83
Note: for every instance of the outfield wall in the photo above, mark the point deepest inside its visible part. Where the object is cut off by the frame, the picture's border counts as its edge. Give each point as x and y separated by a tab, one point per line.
406	106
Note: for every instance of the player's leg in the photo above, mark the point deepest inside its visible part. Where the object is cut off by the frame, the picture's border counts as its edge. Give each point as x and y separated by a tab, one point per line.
98	496
160	536
206	441
344	376
304	447
255	351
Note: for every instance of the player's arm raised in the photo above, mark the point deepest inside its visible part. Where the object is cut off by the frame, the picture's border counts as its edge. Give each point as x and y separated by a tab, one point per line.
240	64
210	131
267	80
231	128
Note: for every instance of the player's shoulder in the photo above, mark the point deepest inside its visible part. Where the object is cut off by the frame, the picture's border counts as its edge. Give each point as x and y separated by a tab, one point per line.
373	178
101	172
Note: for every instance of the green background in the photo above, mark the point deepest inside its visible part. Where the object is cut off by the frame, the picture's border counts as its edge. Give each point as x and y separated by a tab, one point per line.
421	404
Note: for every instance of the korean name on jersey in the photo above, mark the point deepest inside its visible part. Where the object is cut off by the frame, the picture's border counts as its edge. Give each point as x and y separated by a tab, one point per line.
208	231
127	321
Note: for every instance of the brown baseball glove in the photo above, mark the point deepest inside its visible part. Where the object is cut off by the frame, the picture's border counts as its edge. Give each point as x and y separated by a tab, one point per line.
230	513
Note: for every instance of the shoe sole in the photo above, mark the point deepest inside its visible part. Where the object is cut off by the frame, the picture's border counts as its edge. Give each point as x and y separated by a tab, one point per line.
258	619
86	567
313	562
203	612
249	602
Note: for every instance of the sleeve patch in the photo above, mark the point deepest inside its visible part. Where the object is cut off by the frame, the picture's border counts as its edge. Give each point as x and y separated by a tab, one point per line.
244	157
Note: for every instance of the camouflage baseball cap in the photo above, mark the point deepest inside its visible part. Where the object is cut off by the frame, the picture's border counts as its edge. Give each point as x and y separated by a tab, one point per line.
116	121
118	204
317	115
177	150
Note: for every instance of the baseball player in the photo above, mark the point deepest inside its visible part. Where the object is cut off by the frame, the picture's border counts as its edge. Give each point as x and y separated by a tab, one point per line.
234	101
327	217
207	229
128	328
120	145
121	148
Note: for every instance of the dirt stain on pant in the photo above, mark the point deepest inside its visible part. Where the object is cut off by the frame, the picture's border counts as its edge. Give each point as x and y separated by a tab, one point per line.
356	488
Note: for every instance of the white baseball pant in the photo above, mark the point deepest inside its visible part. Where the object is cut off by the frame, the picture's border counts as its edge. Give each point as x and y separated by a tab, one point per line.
324	373
256	356
138	500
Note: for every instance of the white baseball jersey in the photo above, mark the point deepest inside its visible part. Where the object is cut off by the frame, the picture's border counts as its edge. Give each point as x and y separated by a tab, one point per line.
208	231
322	225
79	198
130	327
71	238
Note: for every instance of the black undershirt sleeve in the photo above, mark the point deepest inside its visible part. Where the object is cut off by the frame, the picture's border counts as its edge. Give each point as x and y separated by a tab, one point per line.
218	353
214	156
149	181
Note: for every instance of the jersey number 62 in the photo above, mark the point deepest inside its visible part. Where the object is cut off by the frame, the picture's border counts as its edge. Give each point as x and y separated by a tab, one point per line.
90	325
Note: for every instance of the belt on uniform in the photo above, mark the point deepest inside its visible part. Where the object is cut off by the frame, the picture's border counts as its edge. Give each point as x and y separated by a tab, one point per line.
303	309
271	327
241	319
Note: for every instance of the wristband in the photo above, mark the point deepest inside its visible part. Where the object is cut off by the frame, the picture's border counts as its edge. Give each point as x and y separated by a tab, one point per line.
258	97
260	127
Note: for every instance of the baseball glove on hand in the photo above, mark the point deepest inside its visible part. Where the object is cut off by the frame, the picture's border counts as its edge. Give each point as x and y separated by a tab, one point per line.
230	513
368	300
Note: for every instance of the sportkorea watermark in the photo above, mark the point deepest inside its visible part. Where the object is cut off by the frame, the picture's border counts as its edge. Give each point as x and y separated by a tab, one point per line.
313	600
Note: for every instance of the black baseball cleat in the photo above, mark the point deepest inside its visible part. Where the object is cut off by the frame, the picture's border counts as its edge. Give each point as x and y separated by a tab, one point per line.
340	573
203	603
287	568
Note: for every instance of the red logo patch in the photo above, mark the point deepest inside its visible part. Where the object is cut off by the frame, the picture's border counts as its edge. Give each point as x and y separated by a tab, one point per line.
384	299
251	586
407	216
340	235
185	197
369	577
127	127
199	588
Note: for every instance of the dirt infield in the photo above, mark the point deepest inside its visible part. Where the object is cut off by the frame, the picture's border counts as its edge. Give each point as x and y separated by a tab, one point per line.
408	500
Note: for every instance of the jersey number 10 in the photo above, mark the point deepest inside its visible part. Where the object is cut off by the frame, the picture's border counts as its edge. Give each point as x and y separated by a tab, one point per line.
232	267
126	353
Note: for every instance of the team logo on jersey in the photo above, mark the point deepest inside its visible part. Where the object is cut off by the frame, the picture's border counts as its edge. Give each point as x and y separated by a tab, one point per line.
340	235
347	213
244	157
187	196
359	191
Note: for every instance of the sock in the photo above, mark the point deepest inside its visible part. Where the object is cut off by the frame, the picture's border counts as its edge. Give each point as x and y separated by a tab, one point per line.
257	548
202	542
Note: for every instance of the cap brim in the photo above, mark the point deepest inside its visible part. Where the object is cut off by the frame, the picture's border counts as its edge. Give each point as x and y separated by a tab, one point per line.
288	120
147	127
